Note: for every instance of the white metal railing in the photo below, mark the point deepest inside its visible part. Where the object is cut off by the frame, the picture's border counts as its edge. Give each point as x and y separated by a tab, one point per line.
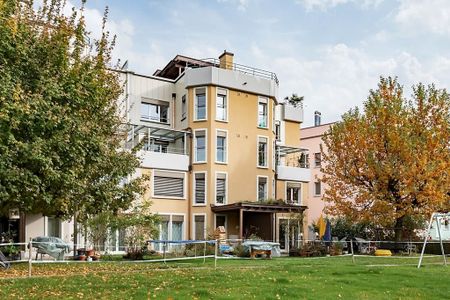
241	68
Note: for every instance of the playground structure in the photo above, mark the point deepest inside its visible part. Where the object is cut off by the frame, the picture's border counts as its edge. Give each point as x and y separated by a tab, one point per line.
438	218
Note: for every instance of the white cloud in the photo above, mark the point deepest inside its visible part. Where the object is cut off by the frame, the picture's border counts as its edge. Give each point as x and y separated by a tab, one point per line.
340	77
241	5
326	4
419	15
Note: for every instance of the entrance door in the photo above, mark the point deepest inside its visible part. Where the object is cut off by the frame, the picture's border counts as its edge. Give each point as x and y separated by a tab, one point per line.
288	234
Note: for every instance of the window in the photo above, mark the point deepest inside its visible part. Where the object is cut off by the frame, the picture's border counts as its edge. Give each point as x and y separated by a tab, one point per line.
277	130
177	228
53	227
221	105
200	146
304	160
199	227
317	188
293	192
221	146
262	188
155	111
262	112
183	108
173	222
262	152
221	188
200	104
156	146
168	184
317	159
200	188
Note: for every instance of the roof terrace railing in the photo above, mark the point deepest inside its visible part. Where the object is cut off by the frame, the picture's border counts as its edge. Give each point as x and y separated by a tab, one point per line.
241	68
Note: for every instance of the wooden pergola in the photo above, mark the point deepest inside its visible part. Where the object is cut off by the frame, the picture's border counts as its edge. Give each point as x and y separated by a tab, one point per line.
257	207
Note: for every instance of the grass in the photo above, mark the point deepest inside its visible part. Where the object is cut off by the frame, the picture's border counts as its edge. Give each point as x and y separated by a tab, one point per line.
281	278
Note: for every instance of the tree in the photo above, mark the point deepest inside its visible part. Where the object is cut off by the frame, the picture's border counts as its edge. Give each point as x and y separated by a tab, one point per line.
294	100
390	163
60	143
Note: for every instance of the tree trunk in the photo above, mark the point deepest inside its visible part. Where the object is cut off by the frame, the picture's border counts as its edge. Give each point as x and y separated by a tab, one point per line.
75	233
399	229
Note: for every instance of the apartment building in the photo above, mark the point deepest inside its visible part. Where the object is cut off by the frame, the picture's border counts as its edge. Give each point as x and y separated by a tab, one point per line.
311	139
219	149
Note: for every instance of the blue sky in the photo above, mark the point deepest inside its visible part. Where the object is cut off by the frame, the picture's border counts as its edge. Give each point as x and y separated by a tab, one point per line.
330	51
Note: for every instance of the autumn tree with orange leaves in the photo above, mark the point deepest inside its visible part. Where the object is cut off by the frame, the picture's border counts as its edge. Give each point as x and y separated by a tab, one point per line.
391	162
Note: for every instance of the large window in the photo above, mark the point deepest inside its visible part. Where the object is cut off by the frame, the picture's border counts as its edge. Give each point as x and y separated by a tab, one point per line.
53	227
221	146
200	104
317	159
200	188
221	220
262	152
262	112
293	192
221	105
221	188
168	184
170	228
317	188
155	111
199	227
200	146
262	188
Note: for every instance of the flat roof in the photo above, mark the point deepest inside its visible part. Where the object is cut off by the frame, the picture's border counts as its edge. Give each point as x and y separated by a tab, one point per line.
260	207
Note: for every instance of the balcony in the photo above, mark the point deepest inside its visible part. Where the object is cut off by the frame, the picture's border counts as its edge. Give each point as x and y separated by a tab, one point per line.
292	164
249	80
159	148
293	113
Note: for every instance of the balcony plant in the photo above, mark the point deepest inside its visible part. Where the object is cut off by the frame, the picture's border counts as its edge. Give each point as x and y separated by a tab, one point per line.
294	100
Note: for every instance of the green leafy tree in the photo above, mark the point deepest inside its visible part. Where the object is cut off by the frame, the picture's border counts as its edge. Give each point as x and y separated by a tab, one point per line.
391	163
60	140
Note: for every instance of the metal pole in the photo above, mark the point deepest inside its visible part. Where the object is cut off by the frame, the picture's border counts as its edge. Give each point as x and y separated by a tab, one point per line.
30	257
164	251
216	246
353	254
204	253
425	241
440	241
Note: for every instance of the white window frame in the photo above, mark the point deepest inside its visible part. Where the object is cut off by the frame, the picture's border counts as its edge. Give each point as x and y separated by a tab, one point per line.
315	161
226	147
226	188
155	102
257	186
193	225
266	101
226	104
300	201
196	161
169	230
266	166
226	221
61	233
152	184
320	183
206	188
196	119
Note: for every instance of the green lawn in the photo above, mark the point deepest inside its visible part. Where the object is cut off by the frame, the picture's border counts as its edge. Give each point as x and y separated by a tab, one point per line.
285	278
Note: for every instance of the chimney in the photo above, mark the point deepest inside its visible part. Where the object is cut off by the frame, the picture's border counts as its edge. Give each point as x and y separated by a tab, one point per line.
317	118
226	60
